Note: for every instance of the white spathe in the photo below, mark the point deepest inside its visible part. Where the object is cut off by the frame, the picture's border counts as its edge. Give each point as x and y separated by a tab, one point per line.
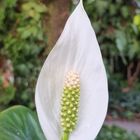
76	50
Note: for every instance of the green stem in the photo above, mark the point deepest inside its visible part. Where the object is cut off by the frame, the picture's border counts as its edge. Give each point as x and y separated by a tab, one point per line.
65	136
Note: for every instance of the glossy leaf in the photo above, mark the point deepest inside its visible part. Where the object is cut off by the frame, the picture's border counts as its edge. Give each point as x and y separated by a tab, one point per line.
19	123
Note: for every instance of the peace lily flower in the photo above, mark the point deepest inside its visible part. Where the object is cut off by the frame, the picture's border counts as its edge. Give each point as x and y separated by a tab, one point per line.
71	92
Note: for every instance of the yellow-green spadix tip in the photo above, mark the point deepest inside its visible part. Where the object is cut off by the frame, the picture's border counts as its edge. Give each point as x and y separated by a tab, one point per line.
70	102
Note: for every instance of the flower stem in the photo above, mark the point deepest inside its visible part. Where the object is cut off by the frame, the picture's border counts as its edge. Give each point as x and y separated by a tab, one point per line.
65	136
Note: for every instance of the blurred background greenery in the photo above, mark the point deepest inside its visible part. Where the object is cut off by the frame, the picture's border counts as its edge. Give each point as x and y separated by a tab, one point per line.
28	31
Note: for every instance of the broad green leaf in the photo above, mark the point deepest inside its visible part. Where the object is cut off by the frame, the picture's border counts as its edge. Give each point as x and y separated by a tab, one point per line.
125	11
101	6
112	9
19	123
121	44
2	13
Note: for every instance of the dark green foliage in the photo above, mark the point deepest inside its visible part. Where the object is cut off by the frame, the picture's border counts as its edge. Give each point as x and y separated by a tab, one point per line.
116	32
116	133
117	25
23	40
124	104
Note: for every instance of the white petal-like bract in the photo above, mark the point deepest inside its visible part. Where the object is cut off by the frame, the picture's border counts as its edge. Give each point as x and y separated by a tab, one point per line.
76	50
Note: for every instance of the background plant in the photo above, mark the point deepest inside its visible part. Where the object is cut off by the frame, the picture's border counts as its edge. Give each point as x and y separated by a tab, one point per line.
22	41
116	133
117	25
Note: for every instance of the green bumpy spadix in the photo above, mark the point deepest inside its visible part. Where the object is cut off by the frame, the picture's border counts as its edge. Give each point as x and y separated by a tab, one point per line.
70	104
